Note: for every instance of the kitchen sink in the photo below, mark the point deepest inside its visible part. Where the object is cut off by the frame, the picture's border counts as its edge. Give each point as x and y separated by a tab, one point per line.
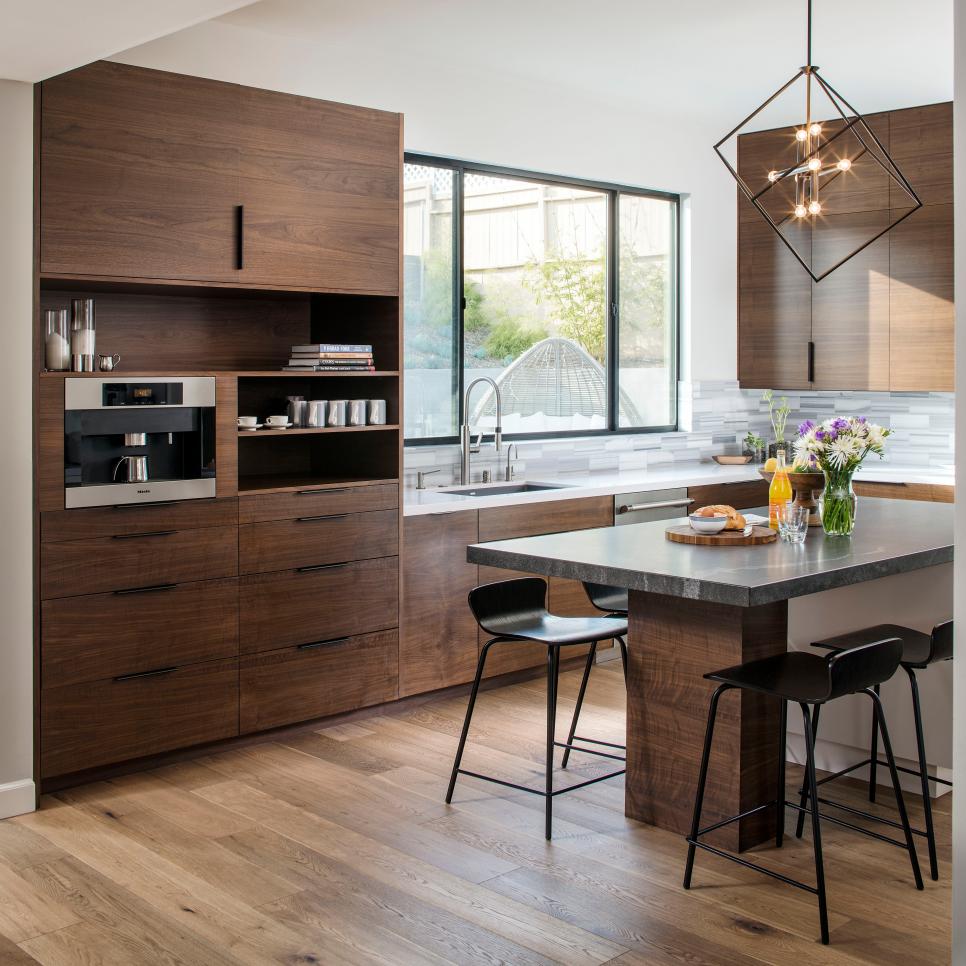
499	489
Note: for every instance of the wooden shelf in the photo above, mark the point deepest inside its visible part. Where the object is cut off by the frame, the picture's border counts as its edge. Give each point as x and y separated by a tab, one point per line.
337	374
280	483
316	430
122	374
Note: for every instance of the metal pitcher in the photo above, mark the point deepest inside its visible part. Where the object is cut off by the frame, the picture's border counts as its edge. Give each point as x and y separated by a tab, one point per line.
136	469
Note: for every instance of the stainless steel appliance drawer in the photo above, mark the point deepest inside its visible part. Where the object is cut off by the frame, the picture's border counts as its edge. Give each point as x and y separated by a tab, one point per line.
642	507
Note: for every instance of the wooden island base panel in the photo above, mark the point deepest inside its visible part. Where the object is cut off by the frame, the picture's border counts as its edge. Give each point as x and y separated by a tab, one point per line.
677	642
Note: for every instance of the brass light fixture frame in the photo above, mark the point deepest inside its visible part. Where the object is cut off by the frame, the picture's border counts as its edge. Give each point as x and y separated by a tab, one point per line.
853	121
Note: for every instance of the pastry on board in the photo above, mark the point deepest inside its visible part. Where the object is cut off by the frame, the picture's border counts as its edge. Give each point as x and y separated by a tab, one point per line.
735	520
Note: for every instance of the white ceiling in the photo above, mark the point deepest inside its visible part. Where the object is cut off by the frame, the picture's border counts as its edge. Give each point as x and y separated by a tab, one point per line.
703	58
41	38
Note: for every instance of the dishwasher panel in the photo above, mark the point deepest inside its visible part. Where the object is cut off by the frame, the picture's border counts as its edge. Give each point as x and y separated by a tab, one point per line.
648	505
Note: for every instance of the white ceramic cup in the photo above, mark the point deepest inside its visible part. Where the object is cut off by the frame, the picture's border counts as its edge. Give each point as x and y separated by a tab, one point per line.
248	422
336	413
277	420
357	412
377	412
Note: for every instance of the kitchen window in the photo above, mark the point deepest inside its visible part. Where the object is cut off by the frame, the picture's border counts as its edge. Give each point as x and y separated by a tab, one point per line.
562	291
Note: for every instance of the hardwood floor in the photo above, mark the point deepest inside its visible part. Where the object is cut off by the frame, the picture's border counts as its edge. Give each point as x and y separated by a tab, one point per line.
336	847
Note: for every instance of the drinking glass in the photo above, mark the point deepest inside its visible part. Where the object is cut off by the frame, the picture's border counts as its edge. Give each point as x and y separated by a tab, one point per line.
792	522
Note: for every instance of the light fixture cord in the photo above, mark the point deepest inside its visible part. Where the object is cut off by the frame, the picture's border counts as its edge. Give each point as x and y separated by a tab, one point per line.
808	35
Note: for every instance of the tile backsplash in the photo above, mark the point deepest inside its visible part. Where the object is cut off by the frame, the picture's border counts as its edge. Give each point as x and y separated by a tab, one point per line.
714	417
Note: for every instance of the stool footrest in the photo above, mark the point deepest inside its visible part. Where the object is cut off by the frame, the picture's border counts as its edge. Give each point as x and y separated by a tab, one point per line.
538	791
589	751
752	865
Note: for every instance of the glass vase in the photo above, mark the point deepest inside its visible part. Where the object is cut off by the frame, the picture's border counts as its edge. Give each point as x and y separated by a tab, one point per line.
838	503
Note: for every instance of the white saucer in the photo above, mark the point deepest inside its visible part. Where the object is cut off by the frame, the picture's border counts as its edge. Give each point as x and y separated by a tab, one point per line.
286	426
251	429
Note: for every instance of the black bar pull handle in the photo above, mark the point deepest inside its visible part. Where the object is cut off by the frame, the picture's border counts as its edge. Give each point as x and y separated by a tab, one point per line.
142	506
151	589
315	644
811	362
341	489
312	567
329	516
239	237
157	672
147	533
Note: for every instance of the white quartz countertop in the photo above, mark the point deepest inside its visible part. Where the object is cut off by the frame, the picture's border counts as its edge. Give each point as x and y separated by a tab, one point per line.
611	482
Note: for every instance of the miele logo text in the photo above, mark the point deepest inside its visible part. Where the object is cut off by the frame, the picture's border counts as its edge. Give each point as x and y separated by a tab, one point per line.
144	491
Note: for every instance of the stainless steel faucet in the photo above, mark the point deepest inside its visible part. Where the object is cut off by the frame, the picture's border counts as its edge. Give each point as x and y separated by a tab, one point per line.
466	439
511	453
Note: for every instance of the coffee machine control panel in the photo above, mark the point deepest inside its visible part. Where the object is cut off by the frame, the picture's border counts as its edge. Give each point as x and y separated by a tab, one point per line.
143	394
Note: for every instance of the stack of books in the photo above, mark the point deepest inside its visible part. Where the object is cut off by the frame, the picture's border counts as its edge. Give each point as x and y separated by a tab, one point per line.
330	357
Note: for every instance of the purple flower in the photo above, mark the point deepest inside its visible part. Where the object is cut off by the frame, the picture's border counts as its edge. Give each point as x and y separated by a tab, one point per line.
832	435
806	427
840	424
820	434
861	419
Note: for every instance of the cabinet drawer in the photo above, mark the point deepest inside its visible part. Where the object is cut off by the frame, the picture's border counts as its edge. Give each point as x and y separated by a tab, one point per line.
91	724
742	496
137	560
314	540
338	600
300	683
927	492
104	635
110	521
303	503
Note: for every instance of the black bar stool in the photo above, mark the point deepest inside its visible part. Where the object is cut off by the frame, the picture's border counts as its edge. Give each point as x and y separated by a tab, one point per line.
918	652
613	602
808	680
514	611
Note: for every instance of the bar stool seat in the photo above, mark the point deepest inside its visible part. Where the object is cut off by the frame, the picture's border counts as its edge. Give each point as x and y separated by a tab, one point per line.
916	646
515	611
796	676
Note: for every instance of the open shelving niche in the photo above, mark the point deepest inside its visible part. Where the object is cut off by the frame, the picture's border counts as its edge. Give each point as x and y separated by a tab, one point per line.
245	336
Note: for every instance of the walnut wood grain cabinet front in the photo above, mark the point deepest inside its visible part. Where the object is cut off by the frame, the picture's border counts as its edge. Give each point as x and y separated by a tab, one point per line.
153	175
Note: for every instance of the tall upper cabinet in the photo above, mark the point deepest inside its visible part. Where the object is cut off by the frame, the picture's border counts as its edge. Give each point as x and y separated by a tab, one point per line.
884	320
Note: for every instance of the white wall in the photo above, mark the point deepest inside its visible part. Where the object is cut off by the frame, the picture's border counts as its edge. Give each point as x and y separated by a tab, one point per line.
16	574
491	118
959	603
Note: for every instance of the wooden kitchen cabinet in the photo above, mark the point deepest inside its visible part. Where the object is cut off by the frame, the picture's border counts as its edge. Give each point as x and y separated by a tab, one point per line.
883	321
438	635
529	520
154	175
138	175
742	496
925	492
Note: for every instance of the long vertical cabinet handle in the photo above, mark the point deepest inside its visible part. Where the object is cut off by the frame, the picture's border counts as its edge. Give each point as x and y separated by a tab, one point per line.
811	362
239	237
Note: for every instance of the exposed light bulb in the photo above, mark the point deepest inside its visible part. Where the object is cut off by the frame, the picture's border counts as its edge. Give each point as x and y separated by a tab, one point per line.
772	176
814	164
800	211
814	208
844	164
815	130
801	134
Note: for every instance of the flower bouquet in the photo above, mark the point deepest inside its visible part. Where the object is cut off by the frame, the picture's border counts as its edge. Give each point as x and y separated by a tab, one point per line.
838	447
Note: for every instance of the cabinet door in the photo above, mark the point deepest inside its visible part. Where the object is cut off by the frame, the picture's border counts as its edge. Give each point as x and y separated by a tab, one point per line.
437	645
138	175
320	186
529	520
921	311
921	144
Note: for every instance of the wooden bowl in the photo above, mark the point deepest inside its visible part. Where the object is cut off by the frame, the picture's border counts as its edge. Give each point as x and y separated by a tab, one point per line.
807	488
731	460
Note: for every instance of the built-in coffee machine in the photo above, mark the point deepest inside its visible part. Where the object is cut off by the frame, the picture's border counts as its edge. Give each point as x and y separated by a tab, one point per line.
138	441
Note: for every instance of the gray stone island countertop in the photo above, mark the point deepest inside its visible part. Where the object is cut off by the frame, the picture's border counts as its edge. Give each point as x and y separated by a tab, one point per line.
891	537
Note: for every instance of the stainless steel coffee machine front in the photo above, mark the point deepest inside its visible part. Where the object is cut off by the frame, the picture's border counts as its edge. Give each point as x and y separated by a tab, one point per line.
138	441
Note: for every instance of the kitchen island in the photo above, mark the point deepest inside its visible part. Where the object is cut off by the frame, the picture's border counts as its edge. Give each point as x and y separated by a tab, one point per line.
697	609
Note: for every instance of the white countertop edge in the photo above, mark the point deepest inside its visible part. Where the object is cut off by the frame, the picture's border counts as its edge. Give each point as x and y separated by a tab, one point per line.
609	483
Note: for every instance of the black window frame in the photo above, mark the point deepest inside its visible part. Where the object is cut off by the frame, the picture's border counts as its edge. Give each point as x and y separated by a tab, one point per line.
612	296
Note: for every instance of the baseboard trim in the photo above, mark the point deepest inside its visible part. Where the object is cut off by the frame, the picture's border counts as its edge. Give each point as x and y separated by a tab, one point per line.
17	798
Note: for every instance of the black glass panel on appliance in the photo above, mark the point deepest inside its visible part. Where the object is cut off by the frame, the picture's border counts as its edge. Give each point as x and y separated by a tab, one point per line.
143	394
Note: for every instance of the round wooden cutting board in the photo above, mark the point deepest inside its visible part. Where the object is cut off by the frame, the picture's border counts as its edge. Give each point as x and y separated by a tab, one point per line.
727	538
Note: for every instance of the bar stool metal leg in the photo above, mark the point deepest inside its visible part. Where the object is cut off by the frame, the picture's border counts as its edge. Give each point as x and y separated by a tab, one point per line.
800	826
896	787
553	674
469	716
816	823
591	654
702	779
780	791
874	753
623	647
924	776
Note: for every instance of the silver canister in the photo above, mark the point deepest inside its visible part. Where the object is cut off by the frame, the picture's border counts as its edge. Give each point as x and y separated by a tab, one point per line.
336	414
135	469
56	344
296	411
82	335
357	412
315	413
135	439
377	412
82	362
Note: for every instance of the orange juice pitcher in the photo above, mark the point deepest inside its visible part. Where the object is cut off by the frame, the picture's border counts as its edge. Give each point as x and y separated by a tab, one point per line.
780	490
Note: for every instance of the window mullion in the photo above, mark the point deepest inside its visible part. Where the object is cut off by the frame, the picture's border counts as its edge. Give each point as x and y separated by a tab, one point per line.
612	346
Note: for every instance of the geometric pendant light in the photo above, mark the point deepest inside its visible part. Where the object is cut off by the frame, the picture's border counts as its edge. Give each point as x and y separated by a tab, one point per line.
816	171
